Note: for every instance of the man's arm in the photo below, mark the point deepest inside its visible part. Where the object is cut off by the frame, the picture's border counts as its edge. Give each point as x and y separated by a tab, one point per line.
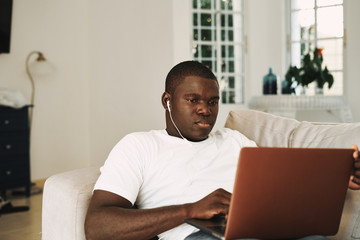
354	182
112	217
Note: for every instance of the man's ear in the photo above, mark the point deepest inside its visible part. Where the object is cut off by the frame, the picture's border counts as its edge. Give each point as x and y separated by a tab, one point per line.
165	97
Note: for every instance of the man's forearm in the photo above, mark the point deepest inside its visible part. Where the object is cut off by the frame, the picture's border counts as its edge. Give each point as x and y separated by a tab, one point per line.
111	217
122	223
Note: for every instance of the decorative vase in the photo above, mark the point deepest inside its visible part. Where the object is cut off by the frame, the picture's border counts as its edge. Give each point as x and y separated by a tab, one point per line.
270	83
286	87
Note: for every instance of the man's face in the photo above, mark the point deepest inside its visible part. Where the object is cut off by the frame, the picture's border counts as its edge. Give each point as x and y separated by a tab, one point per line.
194	107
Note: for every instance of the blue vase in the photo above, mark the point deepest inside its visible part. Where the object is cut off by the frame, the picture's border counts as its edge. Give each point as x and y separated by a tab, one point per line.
286	87
270	83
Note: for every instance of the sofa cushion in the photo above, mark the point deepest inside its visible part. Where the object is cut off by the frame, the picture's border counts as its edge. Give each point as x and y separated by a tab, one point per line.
265	129
323	135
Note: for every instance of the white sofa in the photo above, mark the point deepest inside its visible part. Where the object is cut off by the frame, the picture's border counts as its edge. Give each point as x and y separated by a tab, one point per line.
67	195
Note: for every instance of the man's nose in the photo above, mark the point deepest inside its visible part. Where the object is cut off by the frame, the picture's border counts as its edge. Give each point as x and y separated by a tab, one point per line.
204	109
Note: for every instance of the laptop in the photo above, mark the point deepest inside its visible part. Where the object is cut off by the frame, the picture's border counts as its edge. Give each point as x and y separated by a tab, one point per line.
282	193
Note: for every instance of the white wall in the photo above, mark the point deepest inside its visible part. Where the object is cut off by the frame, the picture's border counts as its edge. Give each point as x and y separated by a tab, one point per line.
110	59
60	139
130	53
352	54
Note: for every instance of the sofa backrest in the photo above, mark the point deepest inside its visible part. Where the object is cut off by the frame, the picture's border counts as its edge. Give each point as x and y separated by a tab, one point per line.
268	130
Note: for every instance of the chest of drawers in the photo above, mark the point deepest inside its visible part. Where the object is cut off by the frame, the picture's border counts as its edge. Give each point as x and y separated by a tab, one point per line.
14	149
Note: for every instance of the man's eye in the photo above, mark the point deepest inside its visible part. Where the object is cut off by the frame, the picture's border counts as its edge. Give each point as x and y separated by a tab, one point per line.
193	100
213	103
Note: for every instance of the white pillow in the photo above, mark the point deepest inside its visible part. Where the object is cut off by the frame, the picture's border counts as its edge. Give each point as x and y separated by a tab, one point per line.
263	128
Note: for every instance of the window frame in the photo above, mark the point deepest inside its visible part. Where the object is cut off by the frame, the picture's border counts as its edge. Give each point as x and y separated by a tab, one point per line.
217	43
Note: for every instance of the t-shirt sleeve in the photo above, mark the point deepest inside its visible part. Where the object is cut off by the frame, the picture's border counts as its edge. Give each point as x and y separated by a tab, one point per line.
122	171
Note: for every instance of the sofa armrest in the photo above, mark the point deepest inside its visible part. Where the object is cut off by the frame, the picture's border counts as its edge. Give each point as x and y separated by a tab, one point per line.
65	202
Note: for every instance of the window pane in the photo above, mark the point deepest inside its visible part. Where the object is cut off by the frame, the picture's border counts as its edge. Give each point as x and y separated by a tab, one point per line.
195	3
206	4
196	35
231	66
230	51
321	3
206	19
224	67
298	50
226	5
302	25
227	35
230	20
227	20
330	22
227	66
206	51
223	97
231	97
224	51
206	35
209	64
223	35
332	53
296	54
337	87
231	82
223	20
227	51
231	35
195	19
302	4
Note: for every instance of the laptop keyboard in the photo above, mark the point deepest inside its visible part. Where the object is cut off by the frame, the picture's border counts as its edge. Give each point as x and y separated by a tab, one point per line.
220	224
218	228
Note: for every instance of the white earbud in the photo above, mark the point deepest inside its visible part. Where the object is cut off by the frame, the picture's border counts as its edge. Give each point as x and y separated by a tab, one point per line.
172	120
168	105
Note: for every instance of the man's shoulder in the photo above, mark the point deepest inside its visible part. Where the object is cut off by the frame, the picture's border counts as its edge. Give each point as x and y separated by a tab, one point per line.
144	135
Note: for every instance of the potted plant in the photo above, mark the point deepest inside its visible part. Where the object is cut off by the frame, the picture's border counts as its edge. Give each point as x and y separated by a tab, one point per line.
310	71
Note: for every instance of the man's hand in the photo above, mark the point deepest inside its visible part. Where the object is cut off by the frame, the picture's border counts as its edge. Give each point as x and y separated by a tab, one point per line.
213	204
354	182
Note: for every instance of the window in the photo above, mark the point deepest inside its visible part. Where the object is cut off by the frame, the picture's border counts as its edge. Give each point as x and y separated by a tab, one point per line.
218	42
318	24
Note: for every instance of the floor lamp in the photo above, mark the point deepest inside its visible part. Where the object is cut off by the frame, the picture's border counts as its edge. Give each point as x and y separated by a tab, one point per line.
40	58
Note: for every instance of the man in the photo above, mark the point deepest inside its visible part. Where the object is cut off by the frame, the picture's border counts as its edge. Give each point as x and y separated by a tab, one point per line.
174	174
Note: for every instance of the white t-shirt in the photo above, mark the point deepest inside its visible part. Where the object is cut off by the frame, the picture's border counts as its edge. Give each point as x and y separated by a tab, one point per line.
155	169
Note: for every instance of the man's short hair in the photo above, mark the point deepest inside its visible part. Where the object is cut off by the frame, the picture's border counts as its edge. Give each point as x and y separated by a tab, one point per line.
184	69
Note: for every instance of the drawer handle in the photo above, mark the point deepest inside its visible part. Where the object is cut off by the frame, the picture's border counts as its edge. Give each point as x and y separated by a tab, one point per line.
8	147
8	172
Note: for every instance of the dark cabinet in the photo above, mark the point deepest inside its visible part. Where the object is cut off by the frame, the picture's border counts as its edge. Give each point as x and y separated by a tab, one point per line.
14	148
